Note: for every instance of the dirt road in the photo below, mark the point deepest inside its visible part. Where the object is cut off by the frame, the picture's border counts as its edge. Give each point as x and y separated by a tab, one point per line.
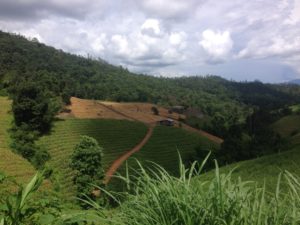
118	162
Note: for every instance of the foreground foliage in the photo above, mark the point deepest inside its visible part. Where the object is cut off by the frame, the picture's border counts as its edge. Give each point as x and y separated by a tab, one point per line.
16	211
156	197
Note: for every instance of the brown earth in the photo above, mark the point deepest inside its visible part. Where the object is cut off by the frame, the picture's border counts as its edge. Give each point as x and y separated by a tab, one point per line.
142	111
89	109
84	109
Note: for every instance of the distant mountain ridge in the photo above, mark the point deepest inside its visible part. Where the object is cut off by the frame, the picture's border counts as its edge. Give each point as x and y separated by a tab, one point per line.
296	81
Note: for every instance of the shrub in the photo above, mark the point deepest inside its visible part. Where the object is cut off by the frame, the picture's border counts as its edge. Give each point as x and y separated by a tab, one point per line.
155	110
24	143
86	160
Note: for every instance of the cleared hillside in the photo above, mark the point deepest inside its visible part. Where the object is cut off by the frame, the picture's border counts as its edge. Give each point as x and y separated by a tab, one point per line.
11	164
115	136
84	108
142	112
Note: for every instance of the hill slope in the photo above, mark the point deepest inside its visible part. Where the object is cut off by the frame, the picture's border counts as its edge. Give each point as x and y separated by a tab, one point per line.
134	111
265	169
289	128
11	164
166	143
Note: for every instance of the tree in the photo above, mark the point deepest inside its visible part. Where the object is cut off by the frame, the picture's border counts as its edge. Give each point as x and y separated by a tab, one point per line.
155	110
33	106
86	160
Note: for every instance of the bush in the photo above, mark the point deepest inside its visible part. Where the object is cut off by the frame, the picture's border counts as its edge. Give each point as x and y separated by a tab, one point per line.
24	143
86	160
155	110
40	158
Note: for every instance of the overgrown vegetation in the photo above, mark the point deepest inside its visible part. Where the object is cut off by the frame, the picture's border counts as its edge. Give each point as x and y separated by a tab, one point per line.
156	197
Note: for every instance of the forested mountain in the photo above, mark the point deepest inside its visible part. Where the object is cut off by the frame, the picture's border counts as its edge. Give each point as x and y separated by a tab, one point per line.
69	75
297	81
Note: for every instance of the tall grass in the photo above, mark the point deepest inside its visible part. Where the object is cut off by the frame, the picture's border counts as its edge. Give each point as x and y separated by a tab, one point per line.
156	197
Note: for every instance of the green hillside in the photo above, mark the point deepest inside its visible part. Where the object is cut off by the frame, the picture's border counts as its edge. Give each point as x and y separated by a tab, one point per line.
289	127
115	136
265	169
11	164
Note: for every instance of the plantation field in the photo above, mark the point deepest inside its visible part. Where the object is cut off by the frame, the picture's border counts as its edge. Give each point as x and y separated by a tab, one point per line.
163	148
11	164
115	136
166	142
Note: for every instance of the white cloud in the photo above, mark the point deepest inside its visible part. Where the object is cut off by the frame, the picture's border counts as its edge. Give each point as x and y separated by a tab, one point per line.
161	36
121	45
277	46
294	16
216	44
98	43
151	27
178	39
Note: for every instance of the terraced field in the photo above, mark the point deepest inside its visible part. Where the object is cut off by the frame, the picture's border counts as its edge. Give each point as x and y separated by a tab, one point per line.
166	142
11	164
115	136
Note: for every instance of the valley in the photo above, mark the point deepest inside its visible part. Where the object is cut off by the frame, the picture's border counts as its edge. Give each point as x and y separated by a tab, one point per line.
83	141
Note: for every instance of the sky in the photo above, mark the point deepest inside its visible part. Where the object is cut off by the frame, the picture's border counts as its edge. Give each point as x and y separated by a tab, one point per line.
236	39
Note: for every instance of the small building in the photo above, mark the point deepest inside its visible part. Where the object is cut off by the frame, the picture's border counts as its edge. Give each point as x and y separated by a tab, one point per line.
166	122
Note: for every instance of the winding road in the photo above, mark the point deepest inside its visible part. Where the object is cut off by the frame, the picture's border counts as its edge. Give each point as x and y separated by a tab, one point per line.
118	162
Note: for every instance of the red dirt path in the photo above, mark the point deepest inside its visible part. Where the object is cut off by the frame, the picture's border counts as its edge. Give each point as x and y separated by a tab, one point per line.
118	162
